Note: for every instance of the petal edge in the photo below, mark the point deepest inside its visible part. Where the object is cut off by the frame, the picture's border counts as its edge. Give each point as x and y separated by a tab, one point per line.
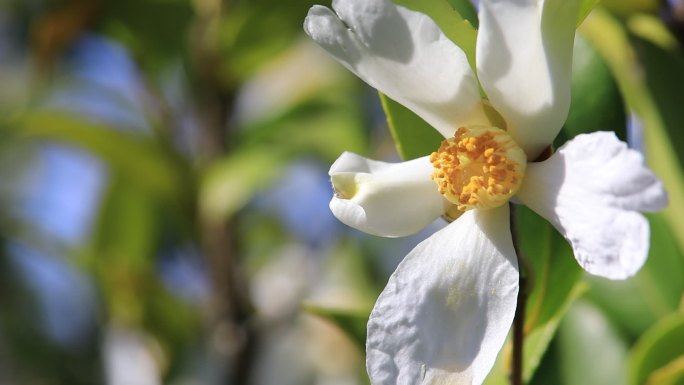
446	311
591	190
385	199
403	54
524	60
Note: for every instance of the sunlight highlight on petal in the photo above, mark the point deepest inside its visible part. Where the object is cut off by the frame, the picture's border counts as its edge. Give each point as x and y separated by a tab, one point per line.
403	54
524	58
385	199
446	311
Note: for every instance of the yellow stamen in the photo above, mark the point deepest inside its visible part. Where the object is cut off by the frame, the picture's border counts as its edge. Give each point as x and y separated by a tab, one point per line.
480	167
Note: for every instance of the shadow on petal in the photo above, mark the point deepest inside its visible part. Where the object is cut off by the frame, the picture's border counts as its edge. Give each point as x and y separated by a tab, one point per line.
446	311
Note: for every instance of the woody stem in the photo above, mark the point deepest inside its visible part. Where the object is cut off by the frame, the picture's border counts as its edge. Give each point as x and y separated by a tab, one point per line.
516	375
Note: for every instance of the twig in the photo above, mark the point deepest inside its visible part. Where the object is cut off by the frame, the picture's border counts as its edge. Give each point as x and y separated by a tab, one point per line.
516	376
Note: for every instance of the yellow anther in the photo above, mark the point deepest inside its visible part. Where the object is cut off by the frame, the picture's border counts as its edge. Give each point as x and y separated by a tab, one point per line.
480	167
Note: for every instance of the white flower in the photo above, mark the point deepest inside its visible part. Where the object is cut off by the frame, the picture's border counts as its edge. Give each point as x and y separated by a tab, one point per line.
447	309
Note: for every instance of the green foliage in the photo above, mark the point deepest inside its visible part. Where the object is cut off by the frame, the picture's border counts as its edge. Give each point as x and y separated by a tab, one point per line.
253	32
553	277
596	104
664	71
631	7
466	9
229	184
658	356
148	164
586	6
127	228
590	351
412	135
153	39
160	192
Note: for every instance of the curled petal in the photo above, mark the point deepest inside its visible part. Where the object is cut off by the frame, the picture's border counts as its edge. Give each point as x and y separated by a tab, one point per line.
591	190
403	54
446	311
385	199
524	59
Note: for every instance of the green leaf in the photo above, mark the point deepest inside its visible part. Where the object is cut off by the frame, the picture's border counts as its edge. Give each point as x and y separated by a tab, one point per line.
413	136
596	103
586	6
629	7
590	350
327	134
138	158
246	37
466	9
539	338
658	356
153	43
664	80
670	374
450	21
554	279
548	371
229	184
554	269
127	226
352	322
326	124
651	28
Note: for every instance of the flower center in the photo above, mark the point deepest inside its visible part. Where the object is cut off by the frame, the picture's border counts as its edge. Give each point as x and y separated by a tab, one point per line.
480	167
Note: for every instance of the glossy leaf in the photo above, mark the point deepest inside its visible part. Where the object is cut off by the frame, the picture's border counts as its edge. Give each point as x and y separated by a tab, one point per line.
596	103
658	356
664	79
466	9
554	278
591	351
538	340
586	6
412	135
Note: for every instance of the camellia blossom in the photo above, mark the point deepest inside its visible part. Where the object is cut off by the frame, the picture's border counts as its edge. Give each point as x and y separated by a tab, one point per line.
448	307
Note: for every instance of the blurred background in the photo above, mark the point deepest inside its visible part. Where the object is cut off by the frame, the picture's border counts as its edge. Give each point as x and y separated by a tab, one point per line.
164	199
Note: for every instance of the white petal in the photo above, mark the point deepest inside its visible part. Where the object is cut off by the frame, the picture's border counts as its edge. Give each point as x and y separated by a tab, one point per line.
591	190
524	59
446	311
385	199
402	54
